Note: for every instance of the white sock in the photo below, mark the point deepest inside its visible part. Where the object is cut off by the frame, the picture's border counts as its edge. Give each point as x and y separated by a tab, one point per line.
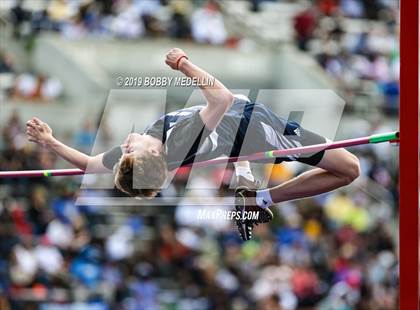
244	172
264	198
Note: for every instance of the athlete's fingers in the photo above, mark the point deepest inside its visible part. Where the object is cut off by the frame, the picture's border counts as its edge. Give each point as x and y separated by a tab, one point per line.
34	127
31	129
37	121
31	125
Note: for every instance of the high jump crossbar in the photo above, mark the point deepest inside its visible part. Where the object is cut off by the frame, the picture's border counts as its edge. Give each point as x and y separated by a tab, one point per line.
373	139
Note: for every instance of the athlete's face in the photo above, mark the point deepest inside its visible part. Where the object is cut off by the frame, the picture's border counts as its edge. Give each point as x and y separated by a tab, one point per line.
139	144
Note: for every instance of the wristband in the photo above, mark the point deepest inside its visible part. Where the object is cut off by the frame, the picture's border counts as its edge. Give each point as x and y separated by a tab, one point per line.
179	59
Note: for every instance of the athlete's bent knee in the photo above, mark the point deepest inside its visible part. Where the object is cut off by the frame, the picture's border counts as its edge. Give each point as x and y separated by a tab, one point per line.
352	168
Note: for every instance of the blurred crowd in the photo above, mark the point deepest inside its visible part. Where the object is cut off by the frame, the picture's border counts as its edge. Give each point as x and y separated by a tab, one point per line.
334	251
126	19
357	43
26	85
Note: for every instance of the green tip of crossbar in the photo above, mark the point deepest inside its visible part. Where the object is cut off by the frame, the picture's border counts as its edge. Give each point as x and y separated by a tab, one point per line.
384	137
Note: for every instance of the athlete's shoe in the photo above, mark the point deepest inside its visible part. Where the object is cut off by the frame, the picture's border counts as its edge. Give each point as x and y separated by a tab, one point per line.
245	200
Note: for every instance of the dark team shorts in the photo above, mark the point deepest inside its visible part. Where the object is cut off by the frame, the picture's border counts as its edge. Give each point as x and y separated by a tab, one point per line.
290	133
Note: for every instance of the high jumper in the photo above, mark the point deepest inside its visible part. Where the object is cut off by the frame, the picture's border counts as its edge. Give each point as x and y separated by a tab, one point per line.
204	133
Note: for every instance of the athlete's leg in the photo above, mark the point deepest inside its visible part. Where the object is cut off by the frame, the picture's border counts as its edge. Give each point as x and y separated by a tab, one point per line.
337	168
245	182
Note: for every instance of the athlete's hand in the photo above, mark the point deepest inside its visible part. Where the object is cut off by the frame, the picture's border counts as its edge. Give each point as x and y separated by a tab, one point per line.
173	58
38	131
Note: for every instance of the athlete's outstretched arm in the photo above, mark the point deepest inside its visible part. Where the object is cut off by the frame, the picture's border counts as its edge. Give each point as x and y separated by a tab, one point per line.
40	133
219	98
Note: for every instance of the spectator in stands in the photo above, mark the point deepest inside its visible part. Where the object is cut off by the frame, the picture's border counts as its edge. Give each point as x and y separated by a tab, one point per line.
26	86
305	24
60	234
328	7
179	25
86	266
85	136
18	16
6	63
352	8
119	245
49	258
207	24
60	10
51	89
38	212
13	127
127	23
24	265
144	288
